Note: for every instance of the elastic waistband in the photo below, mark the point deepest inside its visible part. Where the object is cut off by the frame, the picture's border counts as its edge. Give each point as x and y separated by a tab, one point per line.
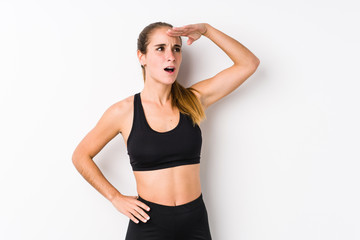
174	209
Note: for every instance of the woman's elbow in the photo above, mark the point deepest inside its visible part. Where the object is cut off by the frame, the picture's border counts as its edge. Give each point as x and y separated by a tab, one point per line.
76	157
255	62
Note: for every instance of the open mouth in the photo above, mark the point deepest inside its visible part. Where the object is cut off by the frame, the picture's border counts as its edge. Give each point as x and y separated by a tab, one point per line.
169	69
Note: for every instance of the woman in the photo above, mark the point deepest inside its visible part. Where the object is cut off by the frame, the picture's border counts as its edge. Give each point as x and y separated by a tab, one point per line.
160	126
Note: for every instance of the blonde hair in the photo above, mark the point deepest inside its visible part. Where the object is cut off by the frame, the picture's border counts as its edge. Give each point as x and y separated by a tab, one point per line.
183	98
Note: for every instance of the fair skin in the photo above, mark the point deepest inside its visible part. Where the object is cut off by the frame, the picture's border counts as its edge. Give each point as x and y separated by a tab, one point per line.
169	186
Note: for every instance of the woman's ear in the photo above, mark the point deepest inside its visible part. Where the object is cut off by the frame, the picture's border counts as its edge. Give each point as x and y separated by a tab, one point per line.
141	58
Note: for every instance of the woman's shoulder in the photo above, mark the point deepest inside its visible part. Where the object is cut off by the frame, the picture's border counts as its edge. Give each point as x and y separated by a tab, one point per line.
123	106
120	113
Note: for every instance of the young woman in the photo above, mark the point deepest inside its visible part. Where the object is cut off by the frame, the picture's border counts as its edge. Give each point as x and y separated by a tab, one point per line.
160	126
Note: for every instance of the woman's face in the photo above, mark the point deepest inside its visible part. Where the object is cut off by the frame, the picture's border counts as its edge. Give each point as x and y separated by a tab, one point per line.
163	58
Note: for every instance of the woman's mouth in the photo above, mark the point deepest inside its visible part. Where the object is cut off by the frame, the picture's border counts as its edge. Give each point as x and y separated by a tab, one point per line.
169	69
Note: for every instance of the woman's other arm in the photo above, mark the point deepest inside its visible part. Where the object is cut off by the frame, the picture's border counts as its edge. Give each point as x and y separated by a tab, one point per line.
106	129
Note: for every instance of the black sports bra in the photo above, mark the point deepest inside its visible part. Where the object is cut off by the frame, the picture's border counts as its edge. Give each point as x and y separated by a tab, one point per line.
151	150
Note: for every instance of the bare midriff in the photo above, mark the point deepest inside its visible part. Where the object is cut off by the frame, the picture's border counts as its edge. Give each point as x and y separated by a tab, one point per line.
170	186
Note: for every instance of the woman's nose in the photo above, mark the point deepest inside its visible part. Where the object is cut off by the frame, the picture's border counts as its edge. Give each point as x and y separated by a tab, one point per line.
170	56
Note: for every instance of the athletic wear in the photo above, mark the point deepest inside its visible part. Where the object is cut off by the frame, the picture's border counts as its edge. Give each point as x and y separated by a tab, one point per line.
188	221
150	150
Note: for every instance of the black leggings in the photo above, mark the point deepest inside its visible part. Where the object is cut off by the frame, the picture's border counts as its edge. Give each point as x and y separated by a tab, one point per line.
188	221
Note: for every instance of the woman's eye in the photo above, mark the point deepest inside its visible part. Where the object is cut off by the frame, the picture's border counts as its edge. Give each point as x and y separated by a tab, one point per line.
177	49
160	49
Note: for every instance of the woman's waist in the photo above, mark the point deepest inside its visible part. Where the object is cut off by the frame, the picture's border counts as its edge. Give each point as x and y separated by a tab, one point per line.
186	206
170	187
170	197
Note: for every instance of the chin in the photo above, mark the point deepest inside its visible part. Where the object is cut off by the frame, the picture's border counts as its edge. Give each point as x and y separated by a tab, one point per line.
168	81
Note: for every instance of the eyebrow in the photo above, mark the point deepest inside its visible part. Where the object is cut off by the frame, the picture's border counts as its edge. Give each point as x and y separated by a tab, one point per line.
162	45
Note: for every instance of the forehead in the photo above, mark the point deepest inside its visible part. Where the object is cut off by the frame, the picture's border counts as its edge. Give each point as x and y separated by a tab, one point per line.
159	36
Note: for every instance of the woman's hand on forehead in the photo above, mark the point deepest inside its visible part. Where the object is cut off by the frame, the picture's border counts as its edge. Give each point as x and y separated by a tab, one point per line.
192	31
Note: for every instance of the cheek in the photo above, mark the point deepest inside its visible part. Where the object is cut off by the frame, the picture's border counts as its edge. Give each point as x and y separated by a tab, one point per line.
155	60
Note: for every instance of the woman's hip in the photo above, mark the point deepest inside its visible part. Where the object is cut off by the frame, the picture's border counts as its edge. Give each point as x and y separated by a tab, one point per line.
185	221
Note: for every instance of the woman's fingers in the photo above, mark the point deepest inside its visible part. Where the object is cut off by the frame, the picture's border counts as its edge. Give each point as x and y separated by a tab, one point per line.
192	28
175	33
143	205
190	41
132	218
140	214
138	211
183	31
192	31
131	207
139	208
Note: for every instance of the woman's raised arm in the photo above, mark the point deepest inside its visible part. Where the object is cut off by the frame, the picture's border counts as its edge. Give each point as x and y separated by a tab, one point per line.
226	81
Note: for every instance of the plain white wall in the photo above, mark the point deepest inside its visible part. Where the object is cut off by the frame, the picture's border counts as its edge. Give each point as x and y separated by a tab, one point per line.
280	155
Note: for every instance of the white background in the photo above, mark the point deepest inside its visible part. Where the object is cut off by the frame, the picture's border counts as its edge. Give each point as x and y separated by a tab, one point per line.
280	156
